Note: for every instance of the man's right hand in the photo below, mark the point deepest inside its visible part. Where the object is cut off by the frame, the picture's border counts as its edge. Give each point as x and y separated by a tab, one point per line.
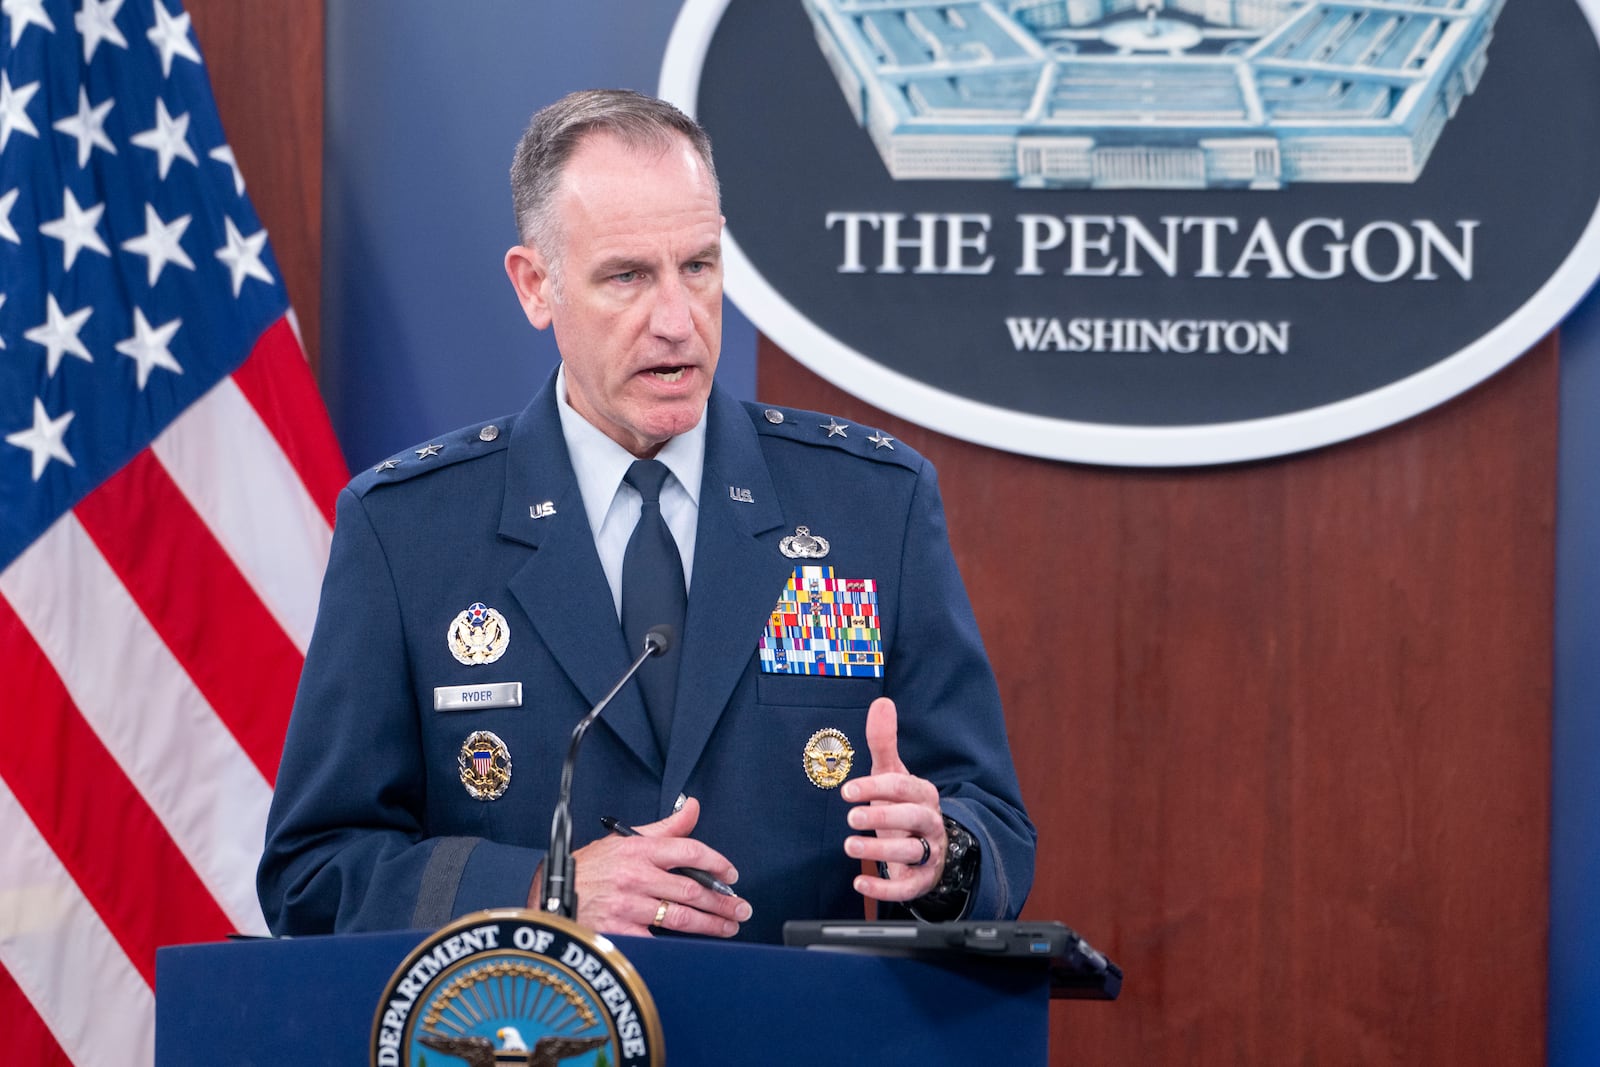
625	883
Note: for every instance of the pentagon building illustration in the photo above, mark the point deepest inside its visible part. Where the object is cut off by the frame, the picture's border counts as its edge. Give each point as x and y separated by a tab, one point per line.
1169	94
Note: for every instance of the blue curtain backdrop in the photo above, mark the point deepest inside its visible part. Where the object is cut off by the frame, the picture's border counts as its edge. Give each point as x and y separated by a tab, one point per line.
1575	824
422	334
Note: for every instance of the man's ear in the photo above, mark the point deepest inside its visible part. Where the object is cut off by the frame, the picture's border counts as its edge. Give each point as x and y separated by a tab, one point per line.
530	277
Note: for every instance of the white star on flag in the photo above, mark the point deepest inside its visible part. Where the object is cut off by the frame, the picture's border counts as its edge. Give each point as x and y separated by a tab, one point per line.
160	243
88	126
224	154
97	21
59	336
8	232
168	138
243	256
14	109
76	228
148	346
43	439
25	13
171	36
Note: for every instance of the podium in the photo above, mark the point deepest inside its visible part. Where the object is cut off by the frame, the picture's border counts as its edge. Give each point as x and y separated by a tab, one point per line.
311	1000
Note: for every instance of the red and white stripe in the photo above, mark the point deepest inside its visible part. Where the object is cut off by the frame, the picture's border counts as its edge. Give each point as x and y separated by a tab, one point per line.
150	644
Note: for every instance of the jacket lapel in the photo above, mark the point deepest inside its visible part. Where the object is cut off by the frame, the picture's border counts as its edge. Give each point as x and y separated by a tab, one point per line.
562	586
736	581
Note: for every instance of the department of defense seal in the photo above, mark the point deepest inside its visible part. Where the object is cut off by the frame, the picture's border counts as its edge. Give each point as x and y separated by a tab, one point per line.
516	986
478	635
827	758
485	764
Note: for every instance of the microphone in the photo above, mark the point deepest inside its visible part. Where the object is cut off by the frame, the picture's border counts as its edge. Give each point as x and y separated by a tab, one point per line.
556	889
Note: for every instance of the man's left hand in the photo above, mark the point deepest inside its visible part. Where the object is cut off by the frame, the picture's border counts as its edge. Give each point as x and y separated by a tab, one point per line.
901	810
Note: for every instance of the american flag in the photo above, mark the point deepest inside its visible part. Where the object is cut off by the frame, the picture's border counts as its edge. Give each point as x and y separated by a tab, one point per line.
167	477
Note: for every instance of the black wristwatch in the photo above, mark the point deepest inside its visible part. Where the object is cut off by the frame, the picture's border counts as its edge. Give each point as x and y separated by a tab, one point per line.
949	897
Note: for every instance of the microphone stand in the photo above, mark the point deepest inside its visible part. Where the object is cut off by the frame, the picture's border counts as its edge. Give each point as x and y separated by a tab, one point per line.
557	891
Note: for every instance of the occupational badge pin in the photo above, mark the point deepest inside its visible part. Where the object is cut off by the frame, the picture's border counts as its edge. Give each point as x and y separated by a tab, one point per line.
803	544
478	635
485	764
827	758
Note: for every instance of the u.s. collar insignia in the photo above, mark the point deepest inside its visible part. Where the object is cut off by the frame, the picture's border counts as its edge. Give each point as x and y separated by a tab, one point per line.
803	544
485	764
478	635
827	758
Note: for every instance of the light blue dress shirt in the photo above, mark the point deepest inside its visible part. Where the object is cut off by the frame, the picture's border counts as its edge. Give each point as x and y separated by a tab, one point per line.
613	506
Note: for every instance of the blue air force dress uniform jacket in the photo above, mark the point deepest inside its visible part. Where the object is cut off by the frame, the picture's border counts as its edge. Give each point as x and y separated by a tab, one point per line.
372	826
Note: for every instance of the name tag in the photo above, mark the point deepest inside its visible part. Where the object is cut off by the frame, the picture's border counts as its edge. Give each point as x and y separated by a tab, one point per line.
485	695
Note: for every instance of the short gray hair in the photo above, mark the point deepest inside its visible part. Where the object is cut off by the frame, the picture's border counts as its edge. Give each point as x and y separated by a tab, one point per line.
557	130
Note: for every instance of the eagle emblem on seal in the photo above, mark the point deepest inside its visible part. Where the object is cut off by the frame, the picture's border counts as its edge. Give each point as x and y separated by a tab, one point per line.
548	1051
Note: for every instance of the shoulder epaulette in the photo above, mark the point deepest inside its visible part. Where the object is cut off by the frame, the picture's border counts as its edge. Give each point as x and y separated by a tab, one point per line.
457	446
827	431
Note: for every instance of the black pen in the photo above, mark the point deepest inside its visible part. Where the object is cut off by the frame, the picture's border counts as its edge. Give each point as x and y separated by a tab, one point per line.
705	878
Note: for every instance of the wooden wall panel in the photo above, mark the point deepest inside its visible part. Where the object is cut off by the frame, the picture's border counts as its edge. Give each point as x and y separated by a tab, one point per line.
1284	727
265	58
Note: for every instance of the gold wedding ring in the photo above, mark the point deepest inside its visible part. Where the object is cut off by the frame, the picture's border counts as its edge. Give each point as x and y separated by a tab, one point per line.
661	914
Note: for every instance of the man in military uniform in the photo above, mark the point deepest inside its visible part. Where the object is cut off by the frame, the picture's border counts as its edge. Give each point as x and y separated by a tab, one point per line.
826	726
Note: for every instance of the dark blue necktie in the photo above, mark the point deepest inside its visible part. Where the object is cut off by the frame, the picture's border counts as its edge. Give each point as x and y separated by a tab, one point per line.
653	594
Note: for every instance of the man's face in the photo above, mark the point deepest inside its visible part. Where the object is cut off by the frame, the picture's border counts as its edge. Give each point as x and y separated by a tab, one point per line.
638	318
